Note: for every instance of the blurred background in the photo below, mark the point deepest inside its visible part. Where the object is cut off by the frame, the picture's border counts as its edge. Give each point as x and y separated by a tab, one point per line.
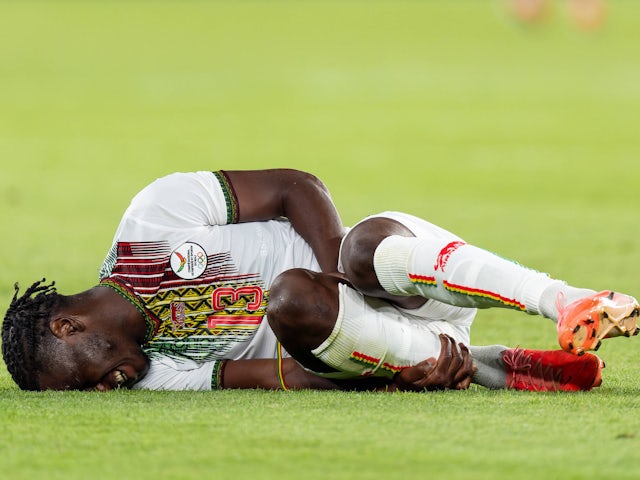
512	123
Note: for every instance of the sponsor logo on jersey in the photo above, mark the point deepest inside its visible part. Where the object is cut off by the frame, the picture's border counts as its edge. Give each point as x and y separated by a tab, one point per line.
188	261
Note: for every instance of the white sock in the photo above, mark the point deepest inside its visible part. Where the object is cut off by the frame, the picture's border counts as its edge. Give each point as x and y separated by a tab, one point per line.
563	292
366	341
458	274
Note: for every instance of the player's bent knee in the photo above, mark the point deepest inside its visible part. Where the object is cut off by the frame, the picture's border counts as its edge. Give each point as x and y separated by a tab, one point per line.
358	250
357	258
284	306
303	308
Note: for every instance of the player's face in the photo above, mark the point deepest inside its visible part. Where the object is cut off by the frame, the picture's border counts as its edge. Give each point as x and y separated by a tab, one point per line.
95	362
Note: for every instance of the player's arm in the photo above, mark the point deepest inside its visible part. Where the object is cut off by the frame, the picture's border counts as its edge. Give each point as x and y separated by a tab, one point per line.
453	369
299	196
264	373
178	373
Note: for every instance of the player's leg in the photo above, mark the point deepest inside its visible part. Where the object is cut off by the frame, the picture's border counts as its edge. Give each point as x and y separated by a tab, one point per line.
302	311
385	258
402	256
336	332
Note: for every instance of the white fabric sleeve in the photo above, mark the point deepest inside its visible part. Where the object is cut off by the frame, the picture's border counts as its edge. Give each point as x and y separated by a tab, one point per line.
176	373
180	200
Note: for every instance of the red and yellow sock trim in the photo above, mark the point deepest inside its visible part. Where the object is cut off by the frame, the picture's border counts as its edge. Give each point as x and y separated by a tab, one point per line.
369	361
364	359
423	280
392	368
477	292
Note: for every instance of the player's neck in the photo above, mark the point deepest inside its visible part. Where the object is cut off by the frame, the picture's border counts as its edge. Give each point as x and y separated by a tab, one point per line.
109	309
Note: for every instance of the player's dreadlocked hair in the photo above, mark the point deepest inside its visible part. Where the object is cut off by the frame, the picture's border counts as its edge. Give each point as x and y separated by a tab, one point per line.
25	327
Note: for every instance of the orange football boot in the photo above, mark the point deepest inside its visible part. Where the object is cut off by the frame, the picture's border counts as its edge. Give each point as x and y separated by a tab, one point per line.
584	323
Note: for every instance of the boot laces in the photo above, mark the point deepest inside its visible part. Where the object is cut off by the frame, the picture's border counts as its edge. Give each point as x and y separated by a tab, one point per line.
533	374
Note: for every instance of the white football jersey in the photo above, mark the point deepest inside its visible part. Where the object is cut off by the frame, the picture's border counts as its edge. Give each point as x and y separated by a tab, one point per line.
200	280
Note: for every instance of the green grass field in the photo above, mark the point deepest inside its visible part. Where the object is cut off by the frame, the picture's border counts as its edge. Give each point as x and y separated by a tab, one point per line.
521	139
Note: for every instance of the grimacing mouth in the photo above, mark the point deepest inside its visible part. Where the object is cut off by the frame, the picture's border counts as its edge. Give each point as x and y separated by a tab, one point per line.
117	378
120	377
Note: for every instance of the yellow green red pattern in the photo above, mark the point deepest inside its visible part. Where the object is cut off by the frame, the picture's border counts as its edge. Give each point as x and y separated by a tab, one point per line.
229	195
423	279
477	292
364	359
391	368
370	361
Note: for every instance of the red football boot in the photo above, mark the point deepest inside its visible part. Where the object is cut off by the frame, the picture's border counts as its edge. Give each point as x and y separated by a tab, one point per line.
551	370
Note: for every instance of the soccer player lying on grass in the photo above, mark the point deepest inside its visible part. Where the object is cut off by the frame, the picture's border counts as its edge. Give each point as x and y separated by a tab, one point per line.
211	273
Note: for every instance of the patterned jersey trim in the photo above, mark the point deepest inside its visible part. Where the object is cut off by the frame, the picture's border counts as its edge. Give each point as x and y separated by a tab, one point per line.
229	196
217	376
109	262
151	321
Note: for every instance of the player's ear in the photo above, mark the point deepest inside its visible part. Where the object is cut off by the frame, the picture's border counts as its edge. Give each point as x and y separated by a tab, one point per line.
65	326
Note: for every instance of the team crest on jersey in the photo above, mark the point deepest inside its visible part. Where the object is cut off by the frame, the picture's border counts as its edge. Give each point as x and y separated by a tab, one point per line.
178	315
188	261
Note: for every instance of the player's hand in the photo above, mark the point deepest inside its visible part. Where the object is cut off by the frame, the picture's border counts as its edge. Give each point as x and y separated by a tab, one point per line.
453	369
